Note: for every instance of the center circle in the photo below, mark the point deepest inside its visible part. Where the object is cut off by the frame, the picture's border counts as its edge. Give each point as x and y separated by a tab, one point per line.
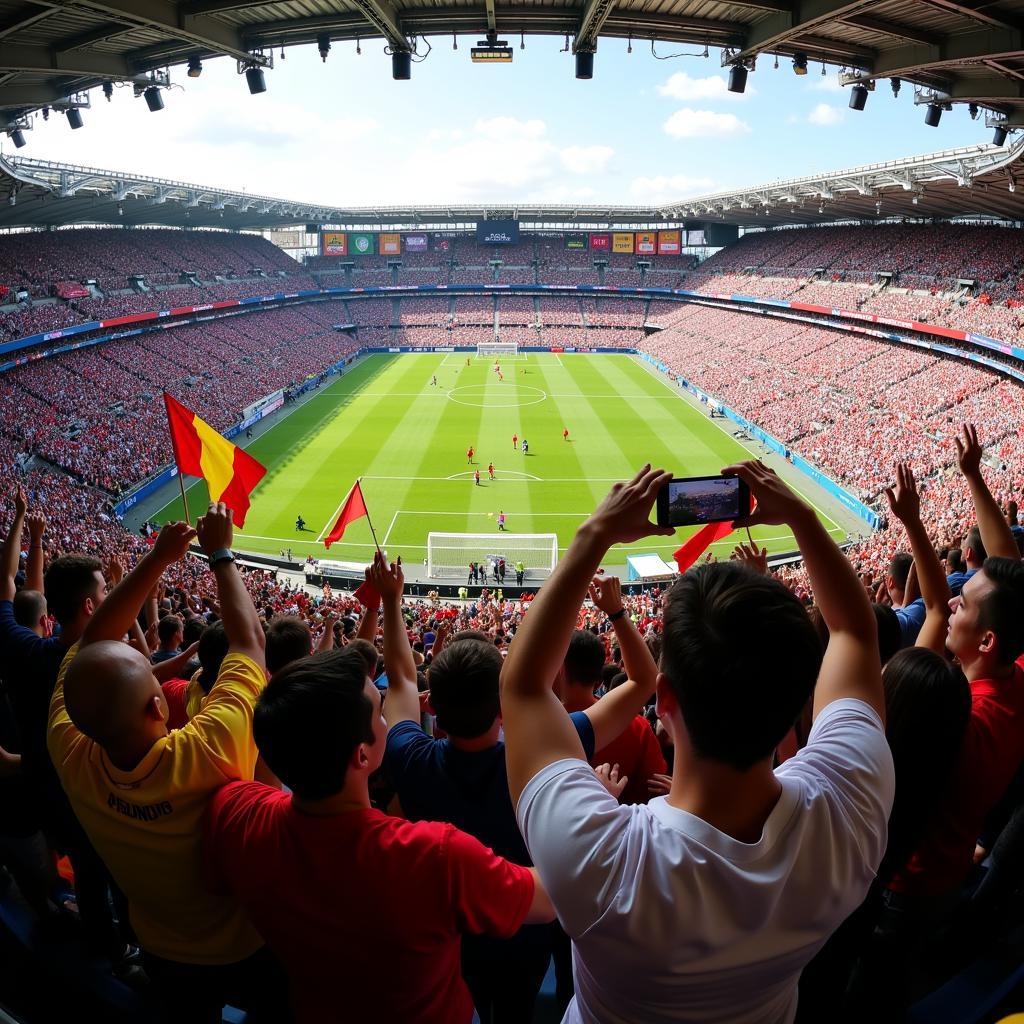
483	396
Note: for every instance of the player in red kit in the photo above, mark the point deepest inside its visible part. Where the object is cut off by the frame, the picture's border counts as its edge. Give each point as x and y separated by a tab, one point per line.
565	434
515	441
469	455
490	470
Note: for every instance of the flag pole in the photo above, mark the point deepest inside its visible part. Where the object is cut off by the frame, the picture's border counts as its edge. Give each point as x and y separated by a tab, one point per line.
369	521
184	500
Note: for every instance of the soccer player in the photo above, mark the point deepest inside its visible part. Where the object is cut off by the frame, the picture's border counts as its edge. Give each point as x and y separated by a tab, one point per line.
526	447
501	520
490	470
300	524
501	376
433	380
476	476
469	455
565	434
515	441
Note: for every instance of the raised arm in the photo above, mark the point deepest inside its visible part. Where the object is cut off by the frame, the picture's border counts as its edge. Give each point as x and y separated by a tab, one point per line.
34	570
611	715
12	546
537	729
996	535
326	642
241	622
367	629
851	666
173	667
905	504
403	703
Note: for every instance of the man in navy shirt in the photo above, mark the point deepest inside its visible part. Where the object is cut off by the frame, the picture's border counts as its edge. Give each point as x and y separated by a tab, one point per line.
974	558
462	779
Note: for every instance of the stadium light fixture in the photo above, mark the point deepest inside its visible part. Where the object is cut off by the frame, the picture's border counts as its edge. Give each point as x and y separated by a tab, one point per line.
932	114
585	64
522	40
108	90
776	64
894	84
972	109
455	41
255	79
800	64
74	117
737	78
18	138
359	49
629	45
999	137
401	65
154	99
323	44
858	97
195	67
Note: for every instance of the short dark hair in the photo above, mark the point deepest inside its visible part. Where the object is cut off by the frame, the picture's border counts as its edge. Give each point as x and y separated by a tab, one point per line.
288	639
367	652
213	649
169	627
310	718
974	542
741	656
584	658
468	634
1002	608
464	689
70	579
955	558
29	606
899	568
194	629
890	635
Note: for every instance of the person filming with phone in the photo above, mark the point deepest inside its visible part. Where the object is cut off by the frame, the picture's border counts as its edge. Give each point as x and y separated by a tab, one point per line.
705	904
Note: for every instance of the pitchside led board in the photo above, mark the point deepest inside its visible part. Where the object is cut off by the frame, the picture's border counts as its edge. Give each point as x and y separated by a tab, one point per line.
497	232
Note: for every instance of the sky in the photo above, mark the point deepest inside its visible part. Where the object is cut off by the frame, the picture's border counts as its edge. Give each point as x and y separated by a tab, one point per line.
643	130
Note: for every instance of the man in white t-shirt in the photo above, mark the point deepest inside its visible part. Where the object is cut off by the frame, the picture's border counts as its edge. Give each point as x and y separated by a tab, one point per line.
706	904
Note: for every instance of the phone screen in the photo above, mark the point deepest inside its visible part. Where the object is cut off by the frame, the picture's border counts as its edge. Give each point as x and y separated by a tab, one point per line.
692	501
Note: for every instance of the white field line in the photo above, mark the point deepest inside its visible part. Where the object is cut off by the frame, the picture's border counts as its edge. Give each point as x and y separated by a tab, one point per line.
391	526
330	522
513	472
802	494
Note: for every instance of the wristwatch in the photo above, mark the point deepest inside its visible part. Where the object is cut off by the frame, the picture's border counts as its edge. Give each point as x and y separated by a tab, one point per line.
611	618
221	555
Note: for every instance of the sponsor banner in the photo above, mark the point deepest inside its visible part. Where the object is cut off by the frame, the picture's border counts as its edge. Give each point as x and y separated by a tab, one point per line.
646	243
497	232
601	243
695	238
669	243
333	243
623	241
394	350
442	244
145	490
556	348
416	243
575	241
390	244
361	243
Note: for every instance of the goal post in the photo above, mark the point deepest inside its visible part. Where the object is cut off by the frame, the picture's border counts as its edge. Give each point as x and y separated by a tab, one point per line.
449	554
497	348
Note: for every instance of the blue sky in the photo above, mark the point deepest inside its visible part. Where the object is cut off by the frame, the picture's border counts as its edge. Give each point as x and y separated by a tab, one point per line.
643	130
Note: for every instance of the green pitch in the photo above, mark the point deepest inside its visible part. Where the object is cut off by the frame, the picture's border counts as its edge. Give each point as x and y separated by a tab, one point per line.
385	422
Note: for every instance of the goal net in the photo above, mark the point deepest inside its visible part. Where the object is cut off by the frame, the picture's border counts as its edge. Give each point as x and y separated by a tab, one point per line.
449	554
497	348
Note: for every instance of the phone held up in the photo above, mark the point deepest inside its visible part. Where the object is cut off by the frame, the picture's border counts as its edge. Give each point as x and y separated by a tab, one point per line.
696	500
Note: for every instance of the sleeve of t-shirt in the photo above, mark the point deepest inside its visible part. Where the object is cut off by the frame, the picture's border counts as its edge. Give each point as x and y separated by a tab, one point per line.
585	730
63	739
911	619
226	824
575	831
15	637
489	895
407	746
221	733
847	758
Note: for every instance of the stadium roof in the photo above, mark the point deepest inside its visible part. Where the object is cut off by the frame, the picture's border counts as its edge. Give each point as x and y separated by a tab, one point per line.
969	50
975	181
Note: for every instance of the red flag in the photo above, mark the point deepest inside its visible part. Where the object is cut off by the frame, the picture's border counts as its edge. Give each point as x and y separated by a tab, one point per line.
699	543
367	595
230	472
353	509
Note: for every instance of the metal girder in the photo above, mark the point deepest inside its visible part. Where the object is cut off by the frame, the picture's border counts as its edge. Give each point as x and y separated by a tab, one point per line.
595	14
384	18
25	17
492	23
893	28
163	16
781	28
17	97
43	59
973	10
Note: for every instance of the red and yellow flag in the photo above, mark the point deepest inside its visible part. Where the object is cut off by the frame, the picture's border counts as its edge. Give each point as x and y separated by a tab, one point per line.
230	473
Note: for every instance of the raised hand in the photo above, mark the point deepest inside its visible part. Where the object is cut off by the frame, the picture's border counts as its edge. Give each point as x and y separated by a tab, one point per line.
968	450
777	504
625	514
606	593
904	499
36	522
752	556
388	579
659	785
113	570
611	780
172	542
215	530
20	502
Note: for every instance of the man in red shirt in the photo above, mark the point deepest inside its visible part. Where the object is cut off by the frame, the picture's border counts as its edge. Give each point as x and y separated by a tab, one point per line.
365	910
469	455
636	751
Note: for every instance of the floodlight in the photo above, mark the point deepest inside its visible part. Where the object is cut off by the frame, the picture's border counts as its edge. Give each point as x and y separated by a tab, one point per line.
195	67
737	78
255	79
999	136
800	64
932	114
858	97
18	138
401	65
74	117
108	90
323	44
584	64
895	85
154	99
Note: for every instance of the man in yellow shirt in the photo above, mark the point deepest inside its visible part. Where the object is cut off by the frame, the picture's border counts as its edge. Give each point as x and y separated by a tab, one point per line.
140	792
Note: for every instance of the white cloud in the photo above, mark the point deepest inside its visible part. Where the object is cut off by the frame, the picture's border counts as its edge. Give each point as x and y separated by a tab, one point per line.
694	124
586	159
666	188
826	83
681	86
825	115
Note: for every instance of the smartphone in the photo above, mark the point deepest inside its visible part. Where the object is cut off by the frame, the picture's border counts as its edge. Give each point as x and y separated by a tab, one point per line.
695	500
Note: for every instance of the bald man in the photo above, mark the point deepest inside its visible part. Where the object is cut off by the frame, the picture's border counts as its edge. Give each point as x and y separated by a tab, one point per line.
141	791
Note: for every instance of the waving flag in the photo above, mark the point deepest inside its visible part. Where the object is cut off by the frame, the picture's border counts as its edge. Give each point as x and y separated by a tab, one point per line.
230	473
353	509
